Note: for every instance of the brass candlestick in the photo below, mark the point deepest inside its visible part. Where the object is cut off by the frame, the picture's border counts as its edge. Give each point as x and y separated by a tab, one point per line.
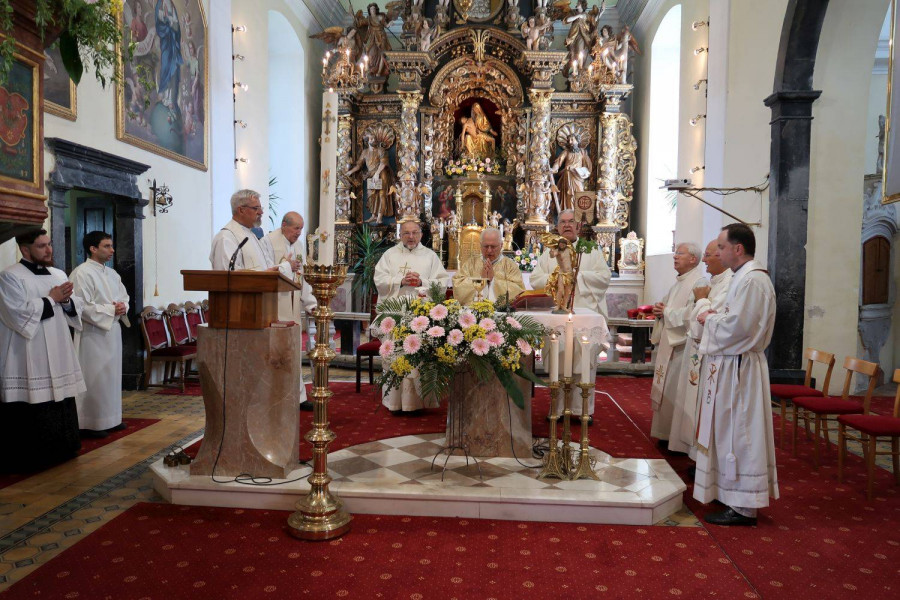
553	467
320	514
566	452
584	469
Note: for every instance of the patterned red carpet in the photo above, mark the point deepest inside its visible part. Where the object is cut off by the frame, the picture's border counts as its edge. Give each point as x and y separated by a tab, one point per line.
87	444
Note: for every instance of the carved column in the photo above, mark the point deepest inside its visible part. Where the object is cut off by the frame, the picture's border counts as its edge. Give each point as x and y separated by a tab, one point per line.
344	216
539	156
409	203
429	122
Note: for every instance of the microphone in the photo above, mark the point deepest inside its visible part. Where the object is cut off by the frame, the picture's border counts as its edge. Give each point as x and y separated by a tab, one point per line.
234	256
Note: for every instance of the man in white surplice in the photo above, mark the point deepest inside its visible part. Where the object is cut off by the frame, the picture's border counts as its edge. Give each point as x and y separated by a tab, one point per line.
39	371
736	458
282	245
704	299
99	343
406	270
246	212
669	336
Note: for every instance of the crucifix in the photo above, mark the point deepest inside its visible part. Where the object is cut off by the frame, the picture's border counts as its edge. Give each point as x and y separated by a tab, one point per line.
405	269
327	120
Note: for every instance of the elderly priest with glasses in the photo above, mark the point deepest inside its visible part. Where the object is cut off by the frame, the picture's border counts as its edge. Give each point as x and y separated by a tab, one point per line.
236	246
500	275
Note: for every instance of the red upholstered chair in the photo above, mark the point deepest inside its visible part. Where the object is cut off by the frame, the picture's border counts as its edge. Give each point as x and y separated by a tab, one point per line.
194	320
204	310
820	408
369	349
871	427
156	342
177	323
532	300
784	393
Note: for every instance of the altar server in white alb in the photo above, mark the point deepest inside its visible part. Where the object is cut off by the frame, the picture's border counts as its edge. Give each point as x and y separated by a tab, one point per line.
407	269
736	458
593	274
39	371
99	343
669	335
705	298
246	212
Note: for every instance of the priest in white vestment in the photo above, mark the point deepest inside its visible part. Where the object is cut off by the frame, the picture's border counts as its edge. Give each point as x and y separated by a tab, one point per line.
99	343
501	275
704	298
39	371
246	212
593	275
736	458
408	269
669	336
283	245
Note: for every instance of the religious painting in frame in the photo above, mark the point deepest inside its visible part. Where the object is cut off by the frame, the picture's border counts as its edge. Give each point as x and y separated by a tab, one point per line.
20	124
890	184
631	251
60	92
162	102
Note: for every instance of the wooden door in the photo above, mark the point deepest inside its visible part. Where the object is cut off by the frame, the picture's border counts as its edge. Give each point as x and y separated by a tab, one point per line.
876	271
92	213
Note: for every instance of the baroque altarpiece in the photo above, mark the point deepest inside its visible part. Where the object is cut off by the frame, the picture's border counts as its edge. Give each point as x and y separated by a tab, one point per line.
469	118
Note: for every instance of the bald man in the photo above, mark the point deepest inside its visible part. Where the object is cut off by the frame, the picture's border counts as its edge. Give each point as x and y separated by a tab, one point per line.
501	274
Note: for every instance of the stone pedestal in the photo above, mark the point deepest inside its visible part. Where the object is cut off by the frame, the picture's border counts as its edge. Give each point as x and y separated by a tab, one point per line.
257	425
483	420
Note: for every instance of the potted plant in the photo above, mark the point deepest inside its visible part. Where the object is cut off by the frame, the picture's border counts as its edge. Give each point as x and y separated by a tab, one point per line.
368	249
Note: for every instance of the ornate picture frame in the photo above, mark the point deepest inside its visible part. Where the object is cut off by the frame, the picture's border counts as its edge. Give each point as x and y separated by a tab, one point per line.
60	92
494	8
172	53
631	253
20	129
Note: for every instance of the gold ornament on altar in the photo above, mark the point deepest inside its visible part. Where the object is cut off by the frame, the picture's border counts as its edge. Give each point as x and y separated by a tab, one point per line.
478	139
561	283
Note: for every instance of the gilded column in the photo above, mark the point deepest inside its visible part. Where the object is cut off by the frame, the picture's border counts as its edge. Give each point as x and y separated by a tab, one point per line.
539	157
409	203
343	209
617	162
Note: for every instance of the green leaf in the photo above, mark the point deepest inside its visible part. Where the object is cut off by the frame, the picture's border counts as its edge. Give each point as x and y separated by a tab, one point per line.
68	48
512	387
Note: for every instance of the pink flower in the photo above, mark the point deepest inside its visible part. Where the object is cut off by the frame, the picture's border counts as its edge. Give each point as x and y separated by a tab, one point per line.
466	319
513	323
411	344
495	338
480	347
436	332
439	312
455	337
386	348
488	324
387	325
524	347
419	324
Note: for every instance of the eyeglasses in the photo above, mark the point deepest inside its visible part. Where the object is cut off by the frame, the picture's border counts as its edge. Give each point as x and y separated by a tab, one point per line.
253	208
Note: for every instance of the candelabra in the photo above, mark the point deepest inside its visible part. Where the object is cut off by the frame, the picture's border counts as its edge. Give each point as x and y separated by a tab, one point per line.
584	469
320	514
343	76
553	465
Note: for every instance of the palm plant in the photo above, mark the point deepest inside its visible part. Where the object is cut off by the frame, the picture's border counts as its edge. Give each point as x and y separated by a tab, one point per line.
368	249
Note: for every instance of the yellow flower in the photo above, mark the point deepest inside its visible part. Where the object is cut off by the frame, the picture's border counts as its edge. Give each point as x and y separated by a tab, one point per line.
474	332
401	366
483	308
400	332
447	354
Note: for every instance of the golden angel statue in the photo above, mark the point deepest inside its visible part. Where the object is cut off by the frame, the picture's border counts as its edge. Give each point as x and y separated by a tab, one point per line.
379	175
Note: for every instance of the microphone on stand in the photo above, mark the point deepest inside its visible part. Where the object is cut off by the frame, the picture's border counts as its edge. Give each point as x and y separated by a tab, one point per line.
234	256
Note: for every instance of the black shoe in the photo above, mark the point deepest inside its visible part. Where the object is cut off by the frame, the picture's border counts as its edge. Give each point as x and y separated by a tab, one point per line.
729	517
120	427
90	433
307	406
692	472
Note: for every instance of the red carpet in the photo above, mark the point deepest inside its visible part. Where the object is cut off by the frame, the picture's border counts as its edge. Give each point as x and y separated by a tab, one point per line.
159	551
87	444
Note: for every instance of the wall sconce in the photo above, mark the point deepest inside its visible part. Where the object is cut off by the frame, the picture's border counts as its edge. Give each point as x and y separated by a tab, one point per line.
243	86
242	124
241	159
696	120
697	169
699	83
238	28
162	199
700	50
698	24
237	57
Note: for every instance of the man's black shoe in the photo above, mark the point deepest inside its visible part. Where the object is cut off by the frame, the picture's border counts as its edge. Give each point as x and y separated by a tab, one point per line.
119	427
307	406
90	433
729	517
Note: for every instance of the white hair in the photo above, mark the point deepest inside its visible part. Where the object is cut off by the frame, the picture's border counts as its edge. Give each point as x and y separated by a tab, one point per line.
692	249
490	230
568	211
240	197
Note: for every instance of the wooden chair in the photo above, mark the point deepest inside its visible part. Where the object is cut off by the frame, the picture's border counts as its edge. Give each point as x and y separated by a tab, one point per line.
871	427
194	318
176	321
369	349
784	393
819	408
204	310
158	348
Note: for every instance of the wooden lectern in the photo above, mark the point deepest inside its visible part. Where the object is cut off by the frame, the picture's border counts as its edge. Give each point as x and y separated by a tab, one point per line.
250	375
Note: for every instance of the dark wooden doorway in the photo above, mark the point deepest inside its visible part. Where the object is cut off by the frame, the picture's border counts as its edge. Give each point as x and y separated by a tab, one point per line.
88	213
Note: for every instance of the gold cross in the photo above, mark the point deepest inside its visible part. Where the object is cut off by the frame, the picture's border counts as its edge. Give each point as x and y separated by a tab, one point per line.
328	119
659	374
405	268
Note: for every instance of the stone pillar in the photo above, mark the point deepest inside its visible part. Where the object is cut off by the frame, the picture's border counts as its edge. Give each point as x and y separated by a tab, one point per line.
409	202
788	204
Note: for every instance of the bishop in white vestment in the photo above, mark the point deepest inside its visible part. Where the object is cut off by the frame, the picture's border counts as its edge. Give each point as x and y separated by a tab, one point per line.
593	274
39	371
99	343
404	270
736	458
669	335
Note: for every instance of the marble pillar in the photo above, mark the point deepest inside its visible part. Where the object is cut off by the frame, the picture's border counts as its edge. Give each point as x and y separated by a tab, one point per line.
491	423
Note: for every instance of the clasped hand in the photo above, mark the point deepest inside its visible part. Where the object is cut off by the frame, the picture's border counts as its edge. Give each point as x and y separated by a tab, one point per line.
487	270
411	279
61	293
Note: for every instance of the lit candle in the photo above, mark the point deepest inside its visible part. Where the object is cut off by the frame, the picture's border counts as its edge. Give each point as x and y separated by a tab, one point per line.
441	234
501	229
569	350
553	358
398	230
585	360
326	176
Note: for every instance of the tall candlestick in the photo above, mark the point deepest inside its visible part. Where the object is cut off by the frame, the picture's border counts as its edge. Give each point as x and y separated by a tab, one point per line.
327	178
569	350
585	360
553	357
501	230
442	230
398	229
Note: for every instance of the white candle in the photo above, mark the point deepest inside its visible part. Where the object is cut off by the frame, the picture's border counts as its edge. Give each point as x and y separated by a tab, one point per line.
442	230
585	360
501	230
327	177
553	358
569	350
398	230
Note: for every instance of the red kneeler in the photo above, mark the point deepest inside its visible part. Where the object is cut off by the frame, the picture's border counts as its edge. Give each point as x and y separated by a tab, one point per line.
369	349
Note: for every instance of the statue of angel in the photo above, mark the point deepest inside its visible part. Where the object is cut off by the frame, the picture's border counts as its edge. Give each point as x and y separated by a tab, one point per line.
534	31
442	16
373	25
342	40
581	34
513	16
614	54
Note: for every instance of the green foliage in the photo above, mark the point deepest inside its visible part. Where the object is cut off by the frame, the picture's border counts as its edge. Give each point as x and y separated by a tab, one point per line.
273	201
585	246
368	251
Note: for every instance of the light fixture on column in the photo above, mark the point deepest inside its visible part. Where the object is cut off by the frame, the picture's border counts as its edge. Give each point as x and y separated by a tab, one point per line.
698	169
696	120
698	24
699	83
241	124
700	50
241	159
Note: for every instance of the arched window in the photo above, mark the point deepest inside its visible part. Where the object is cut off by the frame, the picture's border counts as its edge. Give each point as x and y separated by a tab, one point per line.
662	161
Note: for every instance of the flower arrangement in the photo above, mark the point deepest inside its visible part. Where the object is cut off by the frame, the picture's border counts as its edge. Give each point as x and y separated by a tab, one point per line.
438	337
464	166
526	258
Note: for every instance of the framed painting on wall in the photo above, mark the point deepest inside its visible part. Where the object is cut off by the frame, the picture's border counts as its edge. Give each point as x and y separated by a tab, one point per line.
20	124
162	102
60	93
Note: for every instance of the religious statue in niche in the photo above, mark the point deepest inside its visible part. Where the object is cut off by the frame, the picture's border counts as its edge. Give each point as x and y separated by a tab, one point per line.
573	164
379	177
478	139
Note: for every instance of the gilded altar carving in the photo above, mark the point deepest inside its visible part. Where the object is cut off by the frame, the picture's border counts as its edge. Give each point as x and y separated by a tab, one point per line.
344	210
408	192
616	168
